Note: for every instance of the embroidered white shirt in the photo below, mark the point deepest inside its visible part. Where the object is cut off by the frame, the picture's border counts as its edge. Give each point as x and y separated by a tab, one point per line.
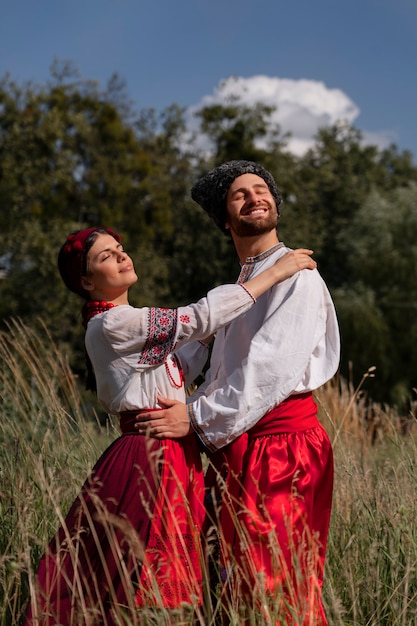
288	343
131	348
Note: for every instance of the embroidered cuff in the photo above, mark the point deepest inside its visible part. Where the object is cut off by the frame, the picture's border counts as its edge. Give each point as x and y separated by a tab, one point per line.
198	430
247	291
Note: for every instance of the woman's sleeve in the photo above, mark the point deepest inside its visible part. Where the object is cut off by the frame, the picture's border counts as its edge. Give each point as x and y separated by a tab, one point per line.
154	333
221	306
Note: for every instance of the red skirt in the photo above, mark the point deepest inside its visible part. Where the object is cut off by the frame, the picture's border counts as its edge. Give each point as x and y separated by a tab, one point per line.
131	539
276	511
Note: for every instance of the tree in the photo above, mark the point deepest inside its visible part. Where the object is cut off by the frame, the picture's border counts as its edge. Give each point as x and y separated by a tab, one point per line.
382	328
333	181
70	159
236	129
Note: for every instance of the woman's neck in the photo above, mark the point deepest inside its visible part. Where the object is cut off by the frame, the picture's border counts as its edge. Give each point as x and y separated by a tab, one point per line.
115	300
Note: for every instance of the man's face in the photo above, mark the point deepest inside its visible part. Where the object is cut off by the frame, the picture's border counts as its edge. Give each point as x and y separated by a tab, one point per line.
251	208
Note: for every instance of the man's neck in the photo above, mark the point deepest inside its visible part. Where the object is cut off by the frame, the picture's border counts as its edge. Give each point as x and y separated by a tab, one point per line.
252	246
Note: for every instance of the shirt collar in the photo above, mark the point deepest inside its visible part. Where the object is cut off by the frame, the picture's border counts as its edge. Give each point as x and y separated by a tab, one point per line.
263	255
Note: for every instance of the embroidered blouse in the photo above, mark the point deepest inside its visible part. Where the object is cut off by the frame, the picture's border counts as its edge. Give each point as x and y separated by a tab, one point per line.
131	349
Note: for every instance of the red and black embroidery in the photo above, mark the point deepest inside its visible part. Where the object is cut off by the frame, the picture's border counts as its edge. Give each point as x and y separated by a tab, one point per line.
162	328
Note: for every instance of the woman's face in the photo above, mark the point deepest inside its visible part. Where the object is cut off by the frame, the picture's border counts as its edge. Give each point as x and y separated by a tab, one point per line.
110	270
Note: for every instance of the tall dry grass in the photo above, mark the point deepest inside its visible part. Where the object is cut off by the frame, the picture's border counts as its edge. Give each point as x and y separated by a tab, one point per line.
48	445
371	573
50	440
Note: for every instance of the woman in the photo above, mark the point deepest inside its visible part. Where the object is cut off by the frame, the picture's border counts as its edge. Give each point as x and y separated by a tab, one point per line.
132	537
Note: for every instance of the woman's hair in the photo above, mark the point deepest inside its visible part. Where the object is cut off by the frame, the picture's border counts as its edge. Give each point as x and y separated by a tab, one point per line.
72	257
72	265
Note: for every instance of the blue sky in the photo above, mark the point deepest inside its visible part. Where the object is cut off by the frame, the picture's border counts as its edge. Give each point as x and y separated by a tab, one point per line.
317	60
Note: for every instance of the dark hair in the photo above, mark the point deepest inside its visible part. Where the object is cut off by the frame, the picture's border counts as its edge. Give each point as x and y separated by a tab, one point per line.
72	257
72	265
87	247
90	378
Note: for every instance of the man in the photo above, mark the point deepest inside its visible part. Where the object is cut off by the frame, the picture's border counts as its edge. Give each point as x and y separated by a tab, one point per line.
256	405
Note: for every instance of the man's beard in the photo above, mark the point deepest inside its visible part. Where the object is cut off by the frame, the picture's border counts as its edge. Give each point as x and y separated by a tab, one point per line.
253	228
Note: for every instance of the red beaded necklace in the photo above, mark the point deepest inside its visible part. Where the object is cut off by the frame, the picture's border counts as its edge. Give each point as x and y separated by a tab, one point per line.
177	365
94	307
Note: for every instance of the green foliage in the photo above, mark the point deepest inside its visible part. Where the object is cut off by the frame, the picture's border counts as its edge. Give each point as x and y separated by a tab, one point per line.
74	155
70	159
334	180
383	255
235	129
366	337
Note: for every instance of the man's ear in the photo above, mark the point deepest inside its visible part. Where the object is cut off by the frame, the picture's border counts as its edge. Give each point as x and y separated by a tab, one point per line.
86	284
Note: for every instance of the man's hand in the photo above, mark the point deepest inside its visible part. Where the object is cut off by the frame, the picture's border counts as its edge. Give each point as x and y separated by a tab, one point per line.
169	423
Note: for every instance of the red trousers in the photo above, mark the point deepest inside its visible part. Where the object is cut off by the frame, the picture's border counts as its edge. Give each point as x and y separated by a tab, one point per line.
275	513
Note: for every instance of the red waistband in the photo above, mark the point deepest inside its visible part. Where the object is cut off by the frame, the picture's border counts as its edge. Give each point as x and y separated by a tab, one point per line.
128	419
293	414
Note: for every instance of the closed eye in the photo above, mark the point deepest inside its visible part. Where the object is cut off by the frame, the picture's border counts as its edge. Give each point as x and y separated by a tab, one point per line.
107	254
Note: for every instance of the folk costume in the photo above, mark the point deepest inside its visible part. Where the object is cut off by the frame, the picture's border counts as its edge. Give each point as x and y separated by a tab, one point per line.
132	537
273	459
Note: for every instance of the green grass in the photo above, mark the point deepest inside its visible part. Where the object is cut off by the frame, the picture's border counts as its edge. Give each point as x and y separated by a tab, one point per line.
51	437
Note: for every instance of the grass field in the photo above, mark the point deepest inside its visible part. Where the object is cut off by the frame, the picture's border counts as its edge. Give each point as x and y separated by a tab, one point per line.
50	439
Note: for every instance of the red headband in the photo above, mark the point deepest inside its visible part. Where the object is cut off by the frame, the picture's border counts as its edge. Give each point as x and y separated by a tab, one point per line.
72	254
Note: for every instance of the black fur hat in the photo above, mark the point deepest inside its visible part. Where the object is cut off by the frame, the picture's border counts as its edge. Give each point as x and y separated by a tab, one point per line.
210	192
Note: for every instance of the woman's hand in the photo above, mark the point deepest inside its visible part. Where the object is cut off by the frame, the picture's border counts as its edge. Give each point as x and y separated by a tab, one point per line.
171	422
295	261
290	263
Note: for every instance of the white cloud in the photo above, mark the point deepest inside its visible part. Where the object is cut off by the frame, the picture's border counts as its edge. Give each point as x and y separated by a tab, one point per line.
382	140
302	107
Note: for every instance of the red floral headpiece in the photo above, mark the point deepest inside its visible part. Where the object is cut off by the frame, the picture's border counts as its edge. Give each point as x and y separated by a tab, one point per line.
72	255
